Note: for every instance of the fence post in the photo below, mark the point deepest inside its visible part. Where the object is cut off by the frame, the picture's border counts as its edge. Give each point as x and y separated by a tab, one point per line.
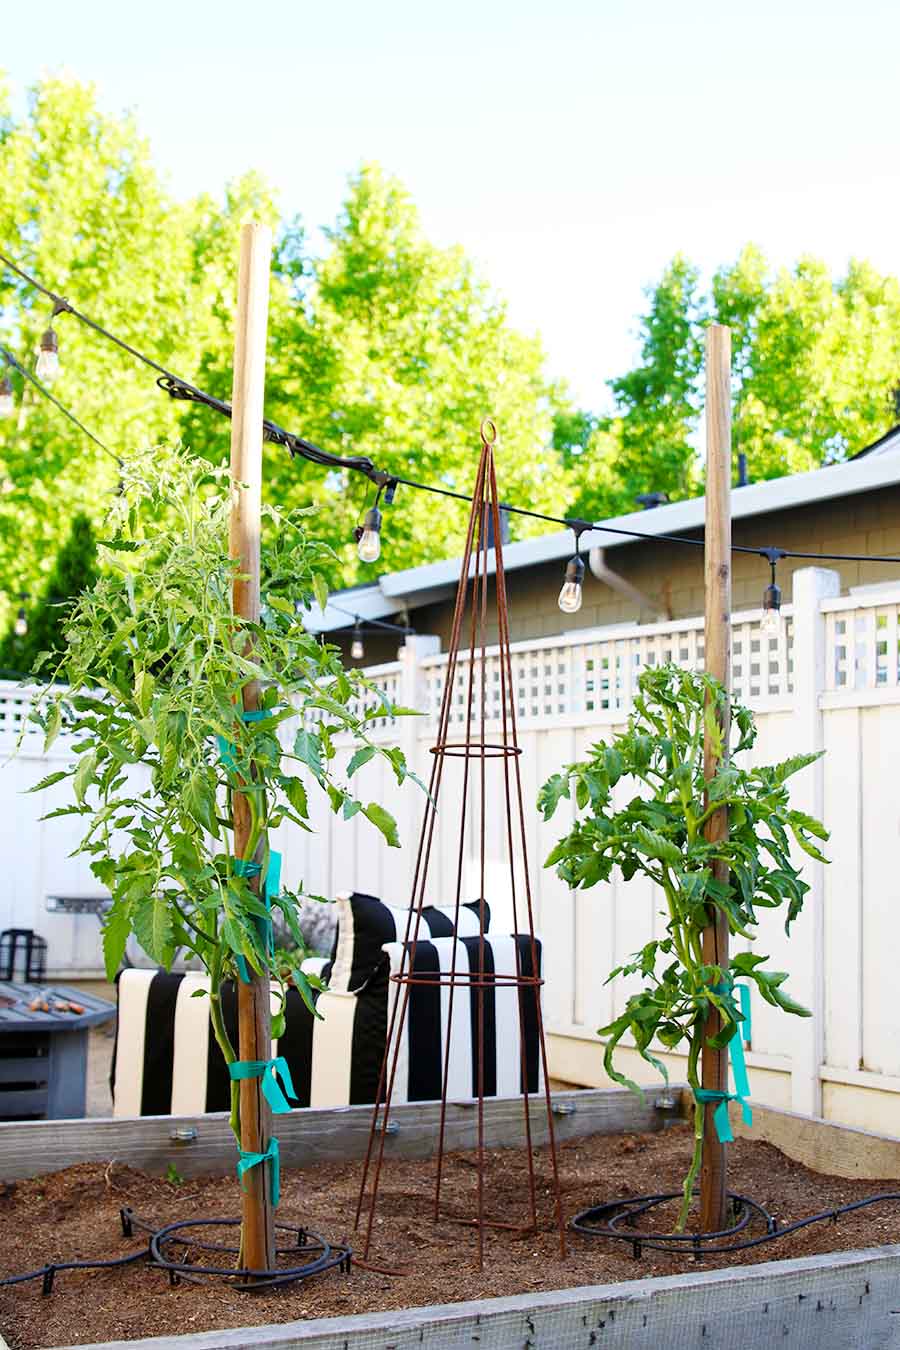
810	586
413	693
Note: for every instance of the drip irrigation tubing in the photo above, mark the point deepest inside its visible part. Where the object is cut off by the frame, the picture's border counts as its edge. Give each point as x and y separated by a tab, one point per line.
320	1255
610	1220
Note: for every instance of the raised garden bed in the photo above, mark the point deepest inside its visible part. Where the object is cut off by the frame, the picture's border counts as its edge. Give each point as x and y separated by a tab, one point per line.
612	1145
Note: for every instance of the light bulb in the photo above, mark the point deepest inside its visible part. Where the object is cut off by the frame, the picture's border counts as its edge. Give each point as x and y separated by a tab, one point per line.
570	595
357	650
47	367
771	619
369	538
771	623
20	627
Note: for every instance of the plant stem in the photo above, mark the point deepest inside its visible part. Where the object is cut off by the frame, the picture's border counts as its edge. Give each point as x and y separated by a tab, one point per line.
699	1117
224	1040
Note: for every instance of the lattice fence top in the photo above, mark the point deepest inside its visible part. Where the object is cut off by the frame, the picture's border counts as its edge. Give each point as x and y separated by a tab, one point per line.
15	702
862	642
597	675
594	674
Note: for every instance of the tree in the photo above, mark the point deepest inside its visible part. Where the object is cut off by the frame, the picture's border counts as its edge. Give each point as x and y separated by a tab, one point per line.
74	572
386	345
399	351
816	366
817	360
83	208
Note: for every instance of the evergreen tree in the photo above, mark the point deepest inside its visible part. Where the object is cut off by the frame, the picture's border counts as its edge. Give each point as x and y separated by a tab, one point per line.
75	571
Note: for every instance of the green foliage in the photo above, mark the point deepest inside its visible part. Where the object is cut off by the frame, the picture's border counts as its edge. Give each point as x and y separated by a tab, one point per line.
387	345
74	571
816	363
154	666
658	832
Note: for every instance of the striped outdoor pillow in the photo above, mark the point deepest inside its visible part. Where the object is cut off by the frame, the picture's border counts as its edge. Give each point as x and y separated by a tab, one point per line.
508	1013
167	1061
365	924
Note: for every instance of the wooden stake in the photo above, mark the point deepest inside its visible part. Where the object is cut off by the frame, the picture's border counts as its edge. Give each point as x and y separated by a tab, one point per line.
714	1067
254	1025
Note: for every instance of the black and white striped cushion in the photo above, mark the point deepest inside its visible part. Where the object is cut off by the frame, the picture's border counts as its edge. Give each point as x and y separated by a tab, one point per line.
365	924
508	1014
166	1059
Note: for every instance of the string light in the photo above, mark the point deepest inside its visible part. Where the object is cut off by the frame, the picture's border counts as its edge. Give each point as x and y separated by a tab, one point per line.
368	536
47	367
20	627
570	597
7	405
772	620
357	650
357	647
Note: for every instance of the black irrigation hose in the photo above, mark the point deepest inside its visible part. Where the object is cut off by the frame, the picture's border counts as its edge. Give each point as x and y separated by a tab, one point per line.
323	1256
605	1221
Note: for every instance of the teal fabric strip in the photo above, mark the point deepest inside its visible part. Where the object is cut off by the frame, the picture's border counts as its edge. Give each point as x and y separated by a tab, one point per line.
226	749
247	1160
269	1070
244	867
739	1069
247	868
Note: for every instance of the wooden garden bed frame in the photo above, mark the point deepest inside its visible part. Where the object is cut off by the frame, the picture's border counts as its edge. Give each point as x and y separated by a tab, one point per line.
846	1299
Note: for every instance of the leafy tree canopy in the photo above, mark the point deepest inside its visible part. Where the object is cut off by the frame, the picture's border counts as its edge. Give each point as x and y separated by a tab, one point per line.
386	345
816	364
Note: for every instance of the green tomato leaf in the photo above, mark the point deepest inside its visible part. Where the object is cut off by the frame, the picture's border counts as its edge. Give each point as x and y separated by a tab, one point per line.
116	931
320	589
384	821
361	757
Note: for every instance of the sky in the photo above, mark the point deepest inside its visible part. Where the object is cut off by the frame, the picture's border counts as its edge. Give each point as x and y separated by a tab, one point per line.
570	147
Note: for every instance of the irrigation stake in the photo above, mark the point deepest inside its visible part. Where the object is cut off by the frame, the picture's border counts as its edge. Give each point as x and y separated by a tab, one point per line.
254	1022
717	559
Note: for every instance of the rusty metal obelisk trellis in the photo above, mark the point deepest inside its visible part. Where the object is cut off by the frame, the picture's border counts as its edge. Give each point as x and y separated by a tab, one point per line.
488	751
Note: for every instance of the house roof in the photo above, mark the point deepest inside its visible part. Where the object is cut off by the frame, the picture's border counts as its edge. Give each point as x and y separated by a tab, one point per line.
874	467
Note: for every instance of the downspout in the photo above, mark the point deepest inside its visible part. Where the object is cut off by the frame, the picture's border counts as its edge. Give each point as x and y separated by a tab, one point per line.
603	572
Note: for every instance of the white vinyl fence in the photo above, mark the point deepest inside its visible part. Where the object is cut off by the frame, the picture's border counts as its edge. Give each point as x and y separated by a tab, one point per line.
830	681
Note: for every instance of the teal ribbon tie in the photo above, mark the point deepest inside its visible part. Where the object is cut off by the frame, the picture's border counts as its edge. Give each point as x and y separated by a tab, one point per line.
739	1069
244	867
248	1160
269	1070
226	748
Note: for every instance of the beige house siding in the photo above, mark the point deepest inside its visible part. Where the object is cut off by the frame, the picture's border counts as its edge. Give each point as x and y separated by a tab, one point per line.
671	575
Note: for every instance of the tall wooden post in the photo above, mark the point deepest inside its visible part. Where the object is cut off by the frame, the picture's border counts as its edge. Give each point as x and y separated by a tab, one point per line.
254	1024
717	557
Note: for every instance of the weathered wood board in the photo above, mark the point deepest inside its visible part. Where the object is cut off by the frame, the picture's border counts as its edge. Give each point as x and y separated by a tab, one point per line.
29	1148
847	1301
835	1150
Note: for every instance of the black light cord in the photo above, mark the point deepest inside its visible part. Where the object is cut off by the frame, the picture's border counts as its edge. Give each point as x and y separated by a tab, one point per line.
360	622
179	388
42	389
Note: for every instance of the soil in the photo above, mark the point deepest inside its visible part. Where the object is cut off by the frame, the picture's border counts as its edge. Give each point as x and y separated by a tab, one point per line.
73	1214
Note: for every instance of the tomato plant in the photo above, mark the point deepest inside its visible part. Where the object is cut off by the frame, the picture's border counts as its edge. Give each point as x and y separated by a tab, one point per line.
642	801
